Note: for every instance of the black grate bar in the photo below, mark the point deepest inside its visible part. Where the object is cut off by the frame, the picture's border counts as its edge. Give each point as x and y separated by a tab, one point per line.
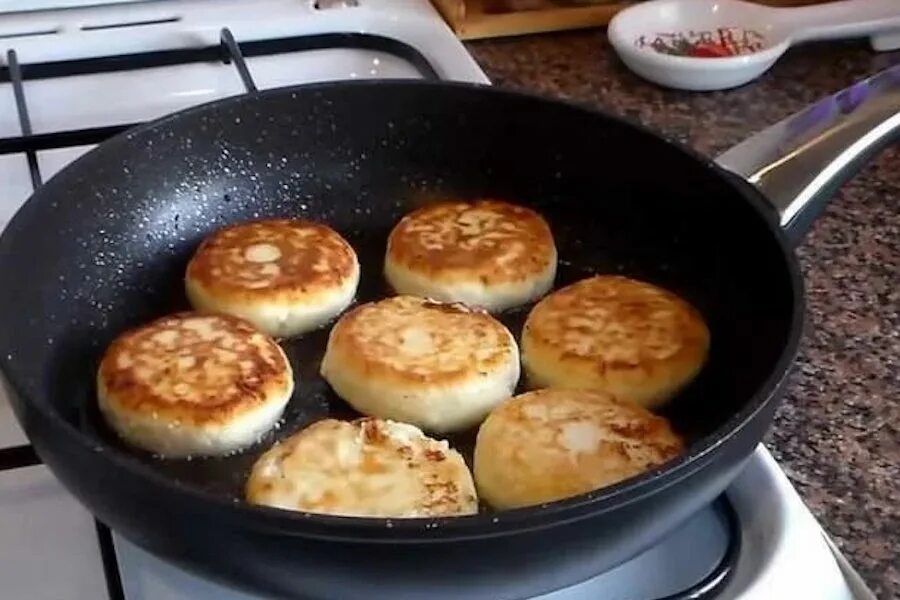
114	64
18	457
130	24
15	76
110	563
60	139
232	54
249	49
19	34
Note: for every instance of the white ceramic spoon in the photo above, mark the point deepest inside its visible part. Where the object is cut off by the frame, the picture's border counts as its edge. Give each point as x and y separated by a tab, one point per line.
633	30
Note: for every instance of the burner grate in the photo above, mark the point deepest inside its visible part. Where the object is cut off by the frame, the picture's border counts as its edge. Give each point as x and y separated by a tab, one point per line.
227	52
15	75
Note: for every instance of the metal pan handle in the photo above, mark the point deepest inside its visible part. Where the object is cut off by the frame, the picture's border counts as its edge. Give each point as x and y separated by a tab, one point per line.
800	162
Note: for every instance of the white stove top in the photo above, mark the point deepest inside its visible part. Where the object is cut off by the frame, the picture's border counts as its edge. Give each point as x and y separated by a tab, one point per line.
784	553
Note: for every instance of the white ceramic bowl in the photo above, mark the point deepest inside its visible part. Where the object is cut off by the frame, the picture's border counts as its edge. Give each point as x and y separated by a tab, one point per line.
778	27
692	73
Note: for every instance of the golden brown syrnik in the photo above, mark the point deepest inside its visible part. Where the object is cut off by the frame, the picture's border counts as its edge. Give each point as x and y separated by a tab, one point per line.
552	444
486	253
610	333
441	367
286	276
364	468
193	384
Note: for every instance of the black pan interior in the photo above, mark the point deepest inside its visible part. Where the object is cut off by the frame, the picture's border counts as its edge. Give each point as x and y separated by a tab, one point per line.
103	246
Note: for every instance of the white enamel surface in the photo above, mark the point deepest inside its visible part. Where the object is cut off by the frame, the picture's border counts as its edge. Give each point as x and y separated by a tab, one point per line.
780	27
28	5
48	545
51	161
10	432
785	555
15	185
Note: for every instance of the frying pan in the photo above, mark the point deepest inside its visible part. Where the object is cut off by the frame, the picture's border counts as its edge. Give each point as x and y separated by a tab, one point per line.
103	245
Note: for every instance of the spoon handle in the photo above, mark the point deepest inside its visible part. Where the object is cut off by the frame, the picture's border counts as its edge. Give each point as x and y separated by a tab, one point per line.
835	20
800	162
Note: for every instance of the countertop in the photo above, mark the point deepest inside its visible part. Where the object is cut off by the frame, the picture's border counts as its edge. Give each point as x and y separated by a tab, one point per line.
837	434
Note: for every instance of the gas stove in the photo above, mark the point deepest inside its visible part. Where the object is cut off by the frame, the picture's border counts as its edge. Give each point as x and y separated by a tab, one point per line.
74	75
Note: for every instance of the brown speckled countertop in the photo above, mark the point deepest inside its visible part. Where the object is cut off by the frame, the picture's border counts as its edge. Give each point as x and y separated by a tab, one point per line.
837	434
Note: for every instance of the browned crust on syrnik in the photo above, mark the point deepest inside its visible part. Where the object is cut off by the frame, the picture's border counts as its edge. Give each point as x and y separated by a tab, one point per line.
465	340
551	444
193	368
363	468
237	260
491	240
617	322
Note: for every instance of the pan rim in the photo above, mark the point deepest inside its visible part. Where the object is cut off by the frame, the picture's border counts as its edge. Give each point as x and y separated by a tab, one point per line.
424	530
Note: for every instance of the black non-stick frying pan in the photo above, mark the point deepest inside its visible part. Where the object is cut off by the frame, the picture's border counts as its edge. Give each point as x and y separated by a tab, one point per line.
103	246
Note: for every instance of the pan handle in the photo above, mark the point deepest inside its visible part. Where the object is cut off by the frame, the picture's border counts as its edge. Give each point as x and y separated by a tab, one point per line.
800	162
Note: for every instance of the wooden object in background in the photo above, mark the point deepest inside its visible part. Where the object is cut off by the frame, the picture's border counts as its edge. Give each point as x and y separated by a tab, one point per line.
474	19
